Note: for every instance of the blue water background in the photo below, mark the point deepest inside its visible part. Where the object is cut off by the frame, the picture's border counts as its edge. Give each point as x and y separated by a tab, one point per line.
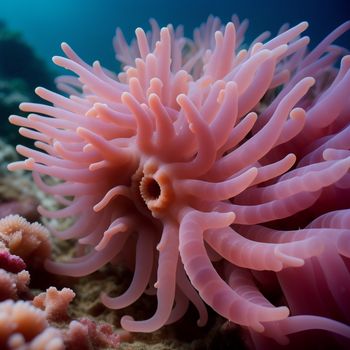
89	25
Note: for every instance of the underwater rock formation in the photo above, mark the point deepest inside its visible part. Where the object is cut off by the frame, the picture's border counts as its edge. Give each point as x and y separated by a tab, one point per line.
20	72
219	175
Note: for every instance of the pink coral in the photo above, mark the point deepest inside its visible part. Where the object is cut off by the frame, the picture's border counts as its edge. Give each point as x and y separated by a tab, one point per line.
14	279
86	334
55	303
13	285
10	262
30	241
211	170
22	326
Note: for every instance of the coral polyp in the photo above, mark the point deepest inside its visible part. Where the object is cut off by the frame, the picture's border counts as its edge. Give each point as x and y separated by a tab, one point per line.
220	172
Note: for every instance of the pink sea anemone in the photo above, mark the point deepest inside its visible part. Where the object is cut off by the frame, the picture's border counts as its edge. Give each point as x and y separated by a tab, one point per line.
219	173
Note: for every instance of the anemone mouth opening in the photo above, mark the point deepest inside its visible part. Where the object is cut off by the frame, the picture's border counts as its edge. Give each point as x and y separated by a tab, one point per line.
155	190
150	189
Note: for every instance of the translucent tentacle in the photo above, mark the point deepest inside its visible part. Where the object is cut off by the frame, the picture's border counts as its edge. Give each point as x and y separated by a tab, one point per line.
143	268
165	286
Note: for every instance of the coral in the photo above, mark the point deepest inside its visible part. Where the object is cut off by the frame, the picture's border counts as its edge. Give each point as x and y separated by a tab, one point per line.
20	318
29	241
13	285
29	326
11	263
32	325
85	334
219	175
49	339
14	279
55	303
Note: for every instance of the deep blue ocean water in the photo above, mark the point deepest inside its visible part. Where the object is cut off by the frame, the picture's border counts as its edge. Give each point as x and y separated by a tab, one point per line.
89	25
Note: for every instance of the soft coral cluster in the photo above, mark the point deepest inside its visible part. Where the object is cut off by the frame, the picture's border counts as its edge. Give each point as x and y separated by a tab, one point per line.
44	324
21	243
30	241
14	279
211	170
23	326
